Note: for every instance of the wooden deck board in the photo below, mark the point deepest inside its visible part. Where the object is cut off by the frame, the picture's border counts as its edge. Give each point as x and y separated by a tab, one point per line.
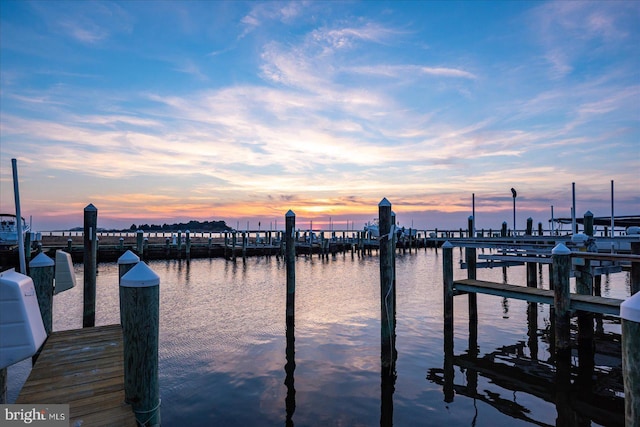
578	302
83	368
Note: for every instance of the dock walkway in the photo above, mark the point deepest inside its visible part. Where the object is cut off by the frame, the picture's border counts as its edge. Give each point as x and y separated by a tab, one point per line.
82	368
589	303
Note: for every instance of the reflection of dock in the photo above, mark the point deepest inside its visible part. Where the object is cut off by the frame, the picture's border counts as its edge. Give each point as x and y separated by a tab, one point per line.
508	368
84	368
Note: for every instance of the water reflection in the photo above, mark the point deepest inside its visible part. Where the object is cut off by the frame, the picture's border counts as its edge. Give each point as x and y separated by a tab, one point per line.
581	394
289	368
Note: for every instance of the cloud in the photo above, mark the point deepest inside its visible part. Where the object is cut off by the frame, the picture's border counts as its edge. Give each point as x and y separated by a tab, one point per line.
570	30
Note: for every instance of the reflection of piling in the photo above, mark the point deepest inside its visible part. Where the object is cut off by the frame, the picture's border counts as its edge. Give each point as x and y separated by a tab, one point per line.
90	264
289	381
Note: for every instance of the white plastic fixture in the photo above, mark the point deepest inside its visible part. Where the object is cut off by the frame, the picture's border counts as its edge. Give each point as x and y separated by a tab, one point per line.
21	328
65	275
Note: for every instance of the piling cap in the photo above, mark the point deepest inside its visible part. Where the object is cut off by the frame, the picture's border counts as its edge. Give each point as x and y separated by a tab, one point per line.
128	258
41	261
447	245
579	239
560	249
630	308
140	276
384	202
289	213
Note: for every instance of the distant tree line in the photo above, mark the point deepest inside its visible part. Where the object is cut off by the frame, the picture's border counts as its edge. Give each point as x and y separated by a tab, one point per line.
191	226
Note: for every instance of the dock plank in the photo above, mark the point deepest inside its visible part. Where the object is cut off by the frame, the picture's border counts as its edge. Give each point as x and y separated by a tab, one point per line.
578	302
84	368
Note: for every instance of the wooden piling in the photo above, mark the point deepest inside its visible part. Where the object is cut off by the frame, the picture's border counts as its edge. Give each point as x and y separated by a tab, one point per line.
447	275
41	270
140	328
630	315
584	286
470	255
139	243
187	245
387	286
290	260
126	262
244	246
561	258
69	245
635	269
90	266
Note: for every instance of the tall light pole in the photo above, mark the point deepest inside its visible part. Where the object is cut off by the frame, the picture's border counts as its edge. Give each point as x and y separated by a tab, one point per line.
515	194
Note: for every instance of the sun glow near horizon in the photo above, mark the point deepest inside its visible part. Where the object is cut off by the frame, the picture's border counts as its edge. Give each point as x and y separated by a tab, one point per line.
243	111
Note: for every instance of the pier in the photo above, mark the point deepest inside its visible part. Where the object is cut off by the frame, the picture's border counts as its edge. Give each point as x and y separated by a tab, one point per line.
84	368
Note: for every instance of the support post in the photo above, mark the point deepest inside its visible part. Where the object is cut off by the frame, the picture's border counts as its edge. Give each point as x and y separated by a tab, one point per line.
635	269
387	287
290	260
584	286
470	255
90	268
447	274
141	315
187	245
630	315
140	243
126	262
561	257
41	270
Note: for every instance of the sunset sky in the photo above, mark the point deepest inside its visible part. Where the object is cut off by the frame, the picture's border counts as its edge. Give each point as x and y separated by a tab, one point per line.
160	112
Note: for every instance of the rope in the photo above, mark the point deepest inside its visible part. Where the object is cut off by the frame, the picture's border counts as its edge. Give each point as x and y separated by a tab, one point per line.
150	411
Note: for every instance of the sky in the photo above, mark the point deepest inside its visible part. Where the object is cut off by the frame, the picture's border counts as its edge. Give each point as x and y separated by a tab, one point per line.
164	112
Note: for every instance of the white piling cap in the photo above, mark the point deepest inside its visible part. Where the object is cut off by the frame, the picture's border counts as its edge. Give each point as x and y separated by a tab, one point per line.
579	238
447	245
560	249
42	261
128	258
384	202
289	213
630	308
140	276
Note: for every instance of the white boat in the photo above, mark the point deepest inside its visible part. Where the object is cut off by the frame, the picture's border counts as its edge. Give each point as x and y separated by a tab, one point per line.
9	229
374	230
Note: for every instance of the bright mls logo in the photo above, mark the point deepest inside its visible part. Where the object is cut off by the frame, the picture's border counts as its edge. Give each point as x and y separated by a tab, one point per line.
36	415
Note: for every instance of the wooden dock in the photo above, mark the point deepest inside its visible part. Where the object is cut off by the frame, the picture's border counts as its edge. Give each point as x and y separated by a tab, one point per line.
593	304
82	368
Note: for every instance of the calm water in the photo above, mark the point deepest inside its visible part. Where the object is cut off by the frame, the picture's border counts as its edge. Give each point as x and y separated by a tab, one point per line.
222	345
